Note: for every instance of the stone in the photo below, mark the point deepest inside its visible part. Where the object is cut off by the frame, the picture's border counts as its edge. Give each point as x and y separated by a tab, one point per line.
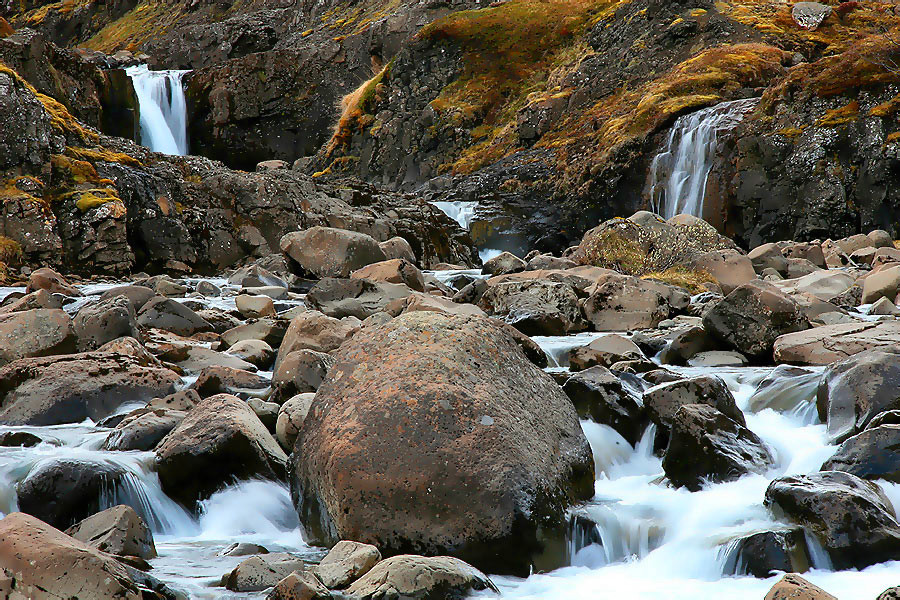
871	454
299	585
824	285
34	333
883	306
397	247
854	391
794	587
329	252
137	295
254	276
18	439
118	530
243	549
446	375
730	268
881	284
852	517
663	401
549	262
195	359
70	389
601	396
890	594
254	307
358	298
271	331
604	351
430	302
535	307
767	256
624	304
707	446
300	372
104	321
315	331
171	315
761	554
686	344
208	289
46	278
345	563
809	15
266	411
143	429
171	289
717	358
183	400
751	318
45	564
258	573
220	440
290	419
409	577
831	343
228	380
505	262
396	270
256	352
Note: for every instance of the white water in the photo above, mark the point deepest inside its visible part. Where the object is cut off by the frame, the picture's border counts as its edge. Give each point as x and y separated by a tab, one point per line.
163	109
679	173
460	211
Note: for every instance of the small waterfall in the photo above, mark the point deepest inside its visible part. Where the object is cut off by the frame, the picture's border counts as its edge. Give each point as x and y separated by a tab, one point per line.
678	174
163	109
461	212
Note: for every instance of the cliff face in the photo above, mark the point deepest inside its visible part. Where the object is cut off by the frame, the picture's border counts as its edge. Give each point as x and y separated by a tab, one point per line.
547	113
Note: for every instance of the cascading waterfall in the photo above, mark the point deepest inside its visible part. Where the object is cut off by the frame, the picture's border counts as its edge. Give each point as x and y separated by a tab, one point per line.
460	211
163	109
679	173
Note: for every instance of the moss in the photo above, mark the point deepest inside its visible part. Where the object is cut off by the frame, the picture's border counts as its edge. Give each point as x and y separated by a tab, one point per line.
73	171
102	155
893	137
840	116
791	132
611	250
692	280
355	106
90	199
63	121
886	109
10	252
147	20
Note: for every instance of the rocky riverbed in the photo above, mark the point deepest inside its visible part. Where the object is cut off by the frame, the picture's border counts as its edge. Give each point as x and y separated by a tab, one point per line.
653	413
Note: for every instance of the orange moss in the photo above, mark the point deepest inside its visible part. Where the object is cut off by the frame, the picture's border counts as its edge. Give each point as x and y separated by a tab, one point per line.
840	116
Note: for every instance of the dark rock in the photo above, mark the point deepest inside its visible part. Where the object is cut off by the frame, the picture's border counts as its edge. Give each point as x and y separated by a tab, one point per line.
601	396
535	307
171	315
870	454
759	554
300	372
358	298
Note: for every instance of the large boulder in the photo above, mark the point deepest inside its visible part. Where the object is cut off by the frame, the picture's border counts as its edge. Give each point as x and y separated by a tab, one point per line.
854	391
314	331
626	303
43	563
792	586
852	517
602	397
171	315
70	389
345	563
300	585
263	571
882	284
358	298
137	295
535	307
761	554
662	401
38	332
228	380
143	429
409	577
752	317
730	268
290	419
104	321
270	331
329	252
220	440
705	445
46	278
830	343
395	270
300	372
117	530
605	351
485	458
871	454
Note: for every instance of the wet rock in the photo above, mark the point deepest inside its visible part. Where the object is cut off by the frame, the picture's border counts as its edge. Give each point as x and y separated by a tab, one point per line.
345	563
256	352
271	331
38	332
759	554
69	389
397	247
718	358
143	429
329	252
707	446
104	321
195	359
358	298
889	594
208	289
171	315
300	372
430	302
228	380
220	440
663	401
171	289
64	491
118	530
18	439
46	278
137	295
752	317
686	344
604	351
300	585
290	418
832	343
314	331
505	262
417	577
794	587
183	400
254	307
853	391
15	302
870	454
626	303
601	396
255	276
882	284
44	564
883	306
852	517
396	270
243	549
535	307
260	572
447	375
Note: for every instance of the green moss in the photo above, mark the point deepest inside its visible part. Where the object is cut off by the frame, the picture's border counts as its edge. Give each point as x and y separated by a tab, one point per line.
147	20
102	155
692	280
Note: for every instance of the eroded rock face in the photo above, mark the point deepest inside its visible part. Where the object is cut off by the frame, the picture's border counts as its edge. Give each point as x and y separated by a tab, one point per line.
852	517
468	450
219	440
418	577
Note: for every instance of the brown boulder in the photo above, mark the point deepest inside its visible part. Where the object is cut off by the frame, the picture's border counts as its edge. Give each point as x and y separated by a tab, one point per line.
397	270
830	343
794	587
38	332
409	577
330	252
46	278
118	530
314	331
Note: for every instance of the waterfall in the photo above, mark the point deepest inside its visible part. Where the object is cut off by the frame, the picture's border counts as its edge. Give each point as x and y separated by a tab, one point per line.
678	174
163	109
460	211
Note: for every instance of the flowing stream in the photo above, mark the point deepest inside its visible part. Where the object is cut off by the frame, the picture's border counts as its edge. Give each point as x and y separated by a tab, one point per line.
162	108
679	173
636	539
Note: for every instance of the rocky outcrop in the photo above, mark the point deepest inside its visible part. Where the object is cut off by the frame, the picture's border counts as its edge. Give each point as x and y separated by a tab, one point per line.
492	485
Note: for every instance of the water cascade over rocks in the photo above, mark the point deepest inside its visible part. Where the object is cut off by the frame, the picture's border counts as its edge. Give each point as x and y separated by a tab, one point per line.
163	109
461	211
678	174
